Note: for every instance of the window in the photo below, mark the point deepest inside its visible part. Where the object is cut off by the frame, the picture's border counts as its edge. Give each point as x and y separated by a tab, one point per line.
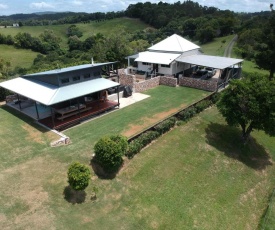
86	75
165	66
76	78
145	63
65	80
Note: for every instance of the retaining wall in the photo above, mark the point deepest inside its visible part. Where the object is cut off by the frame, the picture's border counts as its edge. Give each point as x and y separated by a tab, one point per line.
169	81
198	83
145	85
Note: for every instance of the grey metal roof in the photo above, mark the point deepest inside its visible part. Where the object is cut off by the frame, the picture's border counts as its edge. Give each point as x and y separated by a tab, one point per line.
48	94
69	69
209	61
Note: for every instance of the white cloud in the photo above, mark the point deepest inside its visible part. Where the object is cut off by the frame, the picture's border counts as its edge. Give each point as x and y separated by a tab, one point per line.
3	7
77	3
41	5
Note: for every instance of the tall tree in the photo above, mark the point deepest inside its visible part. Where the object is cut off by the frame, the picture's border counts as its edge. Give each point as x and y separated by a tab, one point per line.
265	55
250	104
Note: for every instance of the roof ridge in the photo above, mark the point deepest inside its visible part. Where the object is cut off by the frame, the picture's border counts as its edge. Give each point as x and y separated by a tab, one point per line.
177	37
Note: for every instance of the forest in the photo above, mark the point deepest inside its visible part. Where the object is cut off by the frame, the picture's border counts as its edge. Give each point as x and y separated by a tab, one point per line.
197	23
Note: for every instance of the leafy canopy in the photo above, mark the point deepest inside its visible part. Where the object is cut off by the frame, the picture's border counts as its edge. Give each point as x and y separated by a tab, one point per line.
109	151
250	103
79	176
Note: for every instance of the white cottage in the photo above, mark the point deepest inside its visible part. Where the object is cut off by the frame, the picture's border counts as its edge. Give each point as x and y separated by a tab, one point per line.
161	57
176	55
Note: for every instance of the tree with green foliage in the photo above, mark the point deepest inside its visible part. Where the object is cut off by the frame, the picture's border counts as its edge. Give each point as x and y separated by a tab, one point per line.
5	68
79	176
73	30
265	50
109	151
250	104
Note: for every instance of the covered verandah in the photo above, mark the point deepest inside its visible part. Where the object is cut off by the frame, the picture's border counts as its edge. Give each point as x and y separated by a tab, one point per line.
226	68
61	107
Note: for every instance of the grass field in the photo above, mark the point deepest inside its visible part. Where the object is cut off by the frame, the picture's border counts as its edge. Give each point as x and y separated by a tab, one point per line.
198	176
24	58
217	47
17	57
107	28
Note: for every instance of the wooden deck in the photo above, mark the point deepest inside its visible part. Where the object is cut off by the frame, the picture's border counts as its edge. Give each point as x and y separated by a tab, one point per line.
93	109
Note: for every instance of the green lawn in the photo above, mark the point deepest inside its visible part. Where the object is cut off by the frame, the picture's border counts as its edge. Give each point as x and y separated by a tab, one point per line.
197	176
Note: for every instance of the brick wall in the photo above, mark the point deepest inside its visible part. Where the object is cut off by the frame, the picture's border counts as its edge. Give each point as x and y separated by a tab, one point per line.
145	85
169	81
198	84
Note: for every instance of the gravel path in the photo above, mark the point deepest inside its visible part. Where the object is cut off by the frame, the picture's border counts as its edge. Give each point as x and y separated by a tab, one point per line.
228	50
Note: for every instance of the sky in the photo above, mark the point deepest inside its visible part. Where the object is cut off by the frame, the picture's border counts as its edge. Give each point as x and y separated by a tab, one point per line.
8	7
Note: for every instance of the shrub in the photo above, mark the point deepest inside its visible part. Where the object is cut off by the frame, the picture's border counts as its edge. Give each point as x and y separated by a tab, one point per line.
133	148
109	151
78	176
166	125
202	105
140	142
147	137
215	98
187	113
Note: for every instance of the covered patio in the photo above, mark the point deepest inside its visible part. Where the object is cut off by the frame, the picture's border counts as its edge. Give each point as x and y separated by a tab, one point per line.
61	107
225	68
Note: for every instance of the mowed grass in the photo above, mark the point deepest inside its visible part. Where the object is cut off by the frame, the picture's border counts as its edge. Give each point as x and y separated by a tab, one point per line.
198	176
163	101
17	57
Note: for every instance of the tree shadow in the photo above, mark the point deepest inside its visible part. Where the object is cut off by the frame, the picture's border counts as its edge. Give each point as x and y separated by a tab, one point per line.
101	173
73	196
30	121
228	140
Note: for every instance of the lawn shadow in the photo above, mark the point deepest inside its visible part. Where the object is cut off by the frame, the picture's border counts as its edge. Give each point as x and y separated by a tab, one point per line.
101	173
228	140
73	196
30	121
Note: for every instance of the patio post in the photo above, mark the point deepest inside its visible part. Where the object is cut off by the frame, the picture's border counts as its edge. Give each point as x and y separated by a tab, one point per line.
19	102
118	95
52	115
78	107
36	110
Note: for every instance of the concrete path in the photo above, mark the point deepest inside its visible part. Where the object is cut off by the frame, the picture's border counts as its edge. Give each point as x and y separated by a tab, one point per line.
125	101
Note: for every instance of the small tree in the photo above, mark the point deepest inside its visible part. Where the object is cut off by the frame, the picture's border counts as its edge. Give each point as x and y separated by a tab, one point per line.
79	176
109	151
250	103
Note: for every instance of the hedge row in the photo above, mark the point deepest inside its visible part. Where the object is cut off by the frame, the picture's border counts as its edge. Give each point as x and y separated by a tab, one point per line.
147	137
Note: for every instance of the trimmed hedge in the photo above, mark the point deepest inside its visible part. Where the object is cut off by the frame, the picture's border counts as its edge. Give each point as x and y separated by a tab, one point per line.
166	125
202	105
146	138
140	142
187	113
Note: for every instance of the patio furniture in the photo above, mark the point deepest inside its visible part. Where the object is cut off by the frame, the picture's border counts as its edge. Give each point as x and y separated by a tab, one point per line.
70	111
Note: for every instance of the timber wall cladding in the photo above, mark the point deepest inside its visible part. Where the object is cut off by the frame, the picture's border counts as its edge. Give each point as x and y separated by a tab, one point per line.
198	84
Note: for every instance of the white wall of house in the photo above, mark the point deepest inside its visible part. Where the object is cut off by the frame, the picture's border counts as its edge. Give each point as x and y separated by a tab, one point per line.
146	68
